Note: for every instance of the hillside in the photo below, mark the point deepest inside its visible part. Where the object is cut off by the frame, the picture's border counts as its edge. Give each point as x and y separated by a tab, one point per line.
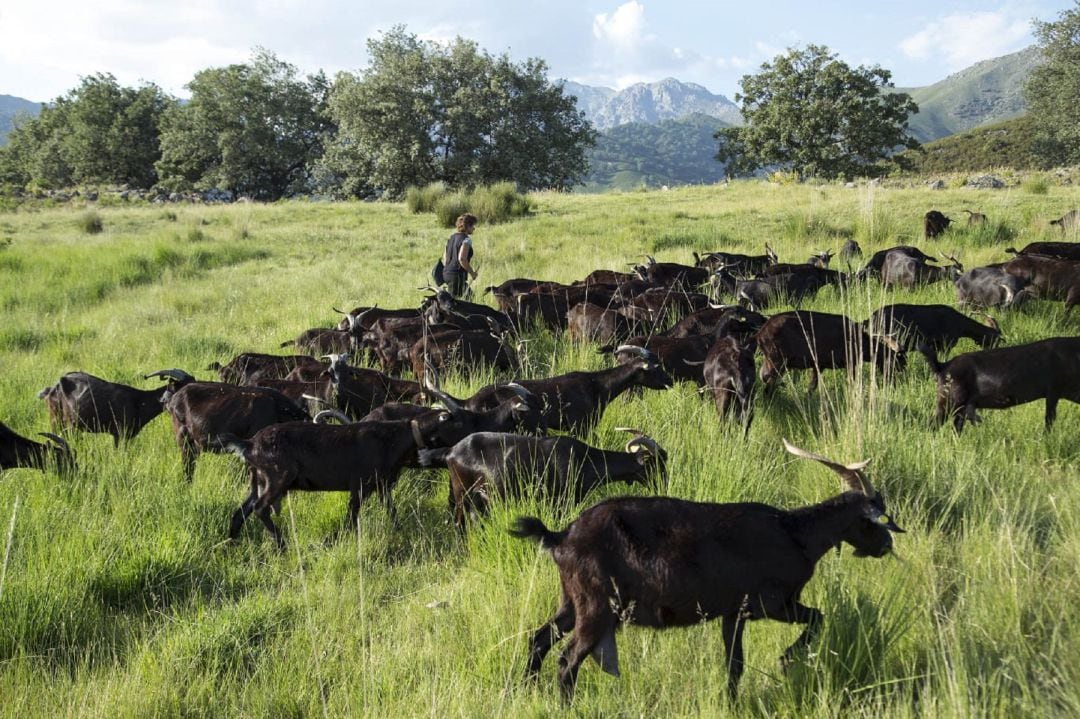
671	152
1002	144
10	106
985	93
668	99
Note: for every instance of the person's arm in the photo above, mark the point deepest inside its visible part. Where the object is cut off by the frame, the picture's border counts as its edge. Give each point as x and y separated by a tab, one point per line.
463	259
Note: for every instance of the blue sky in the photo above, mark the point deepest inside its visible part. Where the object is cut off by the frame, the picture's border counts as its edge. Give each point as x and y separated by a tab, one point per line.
46	46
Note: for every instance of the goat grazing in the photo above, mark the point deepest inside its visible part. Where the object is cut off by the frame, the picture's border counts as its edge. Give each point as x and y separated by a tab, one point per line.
358	458
1006	377
817	341
662	562
939	326
729	376
82	401
488	464
573	402
18	451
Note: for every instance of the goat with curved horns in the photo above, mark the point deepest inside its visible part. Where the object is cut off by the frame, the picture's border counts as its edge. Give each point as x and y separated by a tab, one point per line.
619	562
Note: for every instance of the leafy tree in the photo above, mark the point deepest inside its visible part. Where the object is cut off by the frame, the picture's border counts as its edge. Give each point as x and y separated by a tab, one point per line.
809	112
423	112
255	129
1053	89
98	132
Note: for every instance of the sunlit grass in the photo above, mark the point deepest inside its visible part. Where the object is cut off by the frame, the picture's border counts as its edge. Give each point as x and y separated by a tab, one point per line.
121	598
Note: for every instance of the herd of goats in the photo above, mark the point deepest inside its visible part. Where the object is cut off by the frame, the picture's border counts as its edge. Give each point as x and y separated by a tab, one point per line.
652	561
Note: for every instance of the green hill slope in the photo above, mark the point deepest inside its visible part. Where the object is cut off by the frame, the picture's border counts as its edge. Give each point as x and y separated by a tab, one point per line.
985	93
1003	144
672	152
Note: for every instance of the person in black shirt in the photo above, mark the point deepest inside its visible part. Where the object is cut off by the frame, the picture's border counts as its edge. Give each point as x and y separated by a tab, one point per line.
458	255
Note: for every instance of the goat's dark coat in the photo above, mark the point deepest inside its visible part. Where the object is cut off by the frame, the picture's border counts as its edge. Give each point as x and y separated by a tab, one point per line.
663	562
1005	377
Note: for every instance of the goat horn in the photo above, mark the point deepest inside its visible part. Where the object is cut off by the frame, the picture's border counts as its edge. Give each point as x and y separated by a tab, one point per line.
633	348
850	474
517	389
631	430
326	414
313	398
60	441
642	440
340	312
175	374
992	323
1009	294
447	400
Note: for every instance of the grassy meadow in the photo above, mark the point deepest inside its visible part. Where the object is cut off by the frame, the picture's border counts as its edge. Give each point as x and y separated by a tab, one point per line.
120	597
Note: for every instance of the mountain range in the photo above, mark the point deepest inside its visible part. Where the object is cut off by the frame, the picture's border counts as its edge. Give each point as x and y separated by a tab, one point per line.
10	106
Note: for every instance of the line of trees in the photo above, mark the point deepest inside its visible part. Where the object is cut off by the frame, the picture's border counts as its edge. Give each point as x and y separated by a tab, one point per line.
420	113
423	112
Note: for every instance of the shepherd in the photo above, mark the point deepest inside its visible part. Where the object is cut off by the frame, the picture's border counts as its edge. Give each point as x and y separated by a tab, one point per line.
458	254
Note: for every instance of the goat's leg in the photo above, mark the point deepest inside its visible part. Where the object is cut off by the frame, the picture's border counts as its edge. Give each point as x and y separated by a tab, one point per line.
241	514
262	508
813	382
1051	410
544	637
188	455
595	634
352	512
797	613
733	634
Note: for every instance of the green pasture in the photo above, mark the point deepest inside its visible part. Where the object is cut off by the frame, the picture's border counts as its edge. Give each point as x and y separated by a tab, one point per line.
120	597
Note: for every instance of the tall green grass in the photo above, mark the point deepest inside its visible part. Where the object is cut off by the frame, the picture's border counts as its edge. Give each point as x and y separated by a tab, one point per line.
120	597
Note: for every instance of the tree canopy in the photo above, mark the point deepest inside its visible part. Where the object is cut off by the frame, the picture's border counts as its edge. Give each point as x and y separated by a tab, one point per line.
809	112
423	112
255	129
99	132
1053	89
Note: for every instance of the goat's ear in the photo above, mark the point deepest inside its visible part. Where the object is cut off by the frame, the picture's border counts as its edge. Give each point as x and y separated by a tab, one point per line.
850	474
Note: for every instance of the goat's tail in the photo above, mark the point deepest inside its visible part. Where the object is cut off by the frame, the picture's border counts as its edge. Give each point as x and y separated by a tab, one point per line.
213	366
931	359
289	343
1012	250
532	528
434	457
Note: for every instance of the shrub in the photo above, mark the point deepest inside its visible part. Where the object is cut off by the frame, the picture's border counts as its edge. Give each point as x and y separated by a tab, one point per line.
424	199
491	204
497	203
1036	185
450	207
90	222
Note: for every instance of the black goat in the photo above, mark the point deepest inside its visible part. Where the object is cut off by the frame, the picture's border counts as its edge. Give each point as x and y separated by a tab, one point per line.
662	562
934	224
493	464
1005	377
249	367
817	341
939	326
358	458
18	451
991	286
82	401
202	412
573	402
872	268
901	269
729	376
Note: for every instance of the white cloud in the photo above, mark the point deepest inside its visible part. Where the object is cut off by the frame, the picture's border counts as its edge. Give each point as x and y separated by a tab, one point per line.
961	39
623	28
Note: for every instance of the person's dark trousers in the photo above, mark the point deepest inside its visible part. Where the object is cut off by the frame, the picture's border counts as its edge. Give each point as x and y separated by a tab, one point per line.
455	282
